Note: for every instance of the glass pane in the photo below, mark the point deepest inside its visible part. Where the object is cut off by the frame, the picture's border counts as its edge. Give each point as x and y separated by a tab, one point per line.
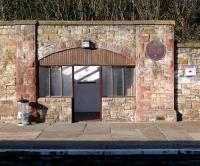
67	80
43	81
55	81
107	79
129	78
117	81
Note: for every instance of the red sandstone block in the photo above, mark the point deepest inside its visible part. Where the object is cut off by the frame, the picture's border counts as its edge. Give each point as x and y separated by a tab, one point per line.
31	71
170	44
29	38
149	30
144	38
126	52
145	88
20	89
196	105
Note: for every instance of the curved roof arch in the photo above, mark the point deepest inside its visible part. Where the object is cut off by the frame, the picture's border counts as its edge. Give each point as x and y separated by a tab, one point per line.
81	56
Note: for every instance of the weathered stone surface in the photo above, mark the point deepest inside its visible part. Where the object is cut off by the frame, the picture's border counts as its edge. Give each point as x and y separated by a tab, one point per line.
118	109
25	62
154	79
56	109
120	39
187	88
154	83
7	73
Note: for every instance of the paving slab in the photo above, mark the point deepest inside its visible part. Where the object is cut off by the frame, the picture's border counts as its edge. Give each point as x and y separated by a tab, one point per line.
35	127
58	135
95	137
122	125
195	136
19	135
64	127
96	129
143	125
151	132
173	132
133	134
189	126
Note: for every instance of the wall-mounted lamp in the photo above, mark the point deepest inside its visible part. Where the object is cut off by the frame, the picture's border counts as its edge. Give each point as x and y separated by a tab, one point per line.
85	43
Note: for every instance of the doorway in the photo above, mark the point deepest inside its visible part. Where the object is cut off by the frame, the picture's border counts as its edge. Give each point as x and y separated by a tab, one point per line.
87	100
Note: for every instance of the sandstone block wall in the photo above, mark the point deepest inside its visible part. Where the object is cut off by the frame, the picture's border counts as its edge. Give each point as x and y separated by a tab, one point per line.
55	109
154	79
118	109
154	98
117	38
8	47
26	62
187	89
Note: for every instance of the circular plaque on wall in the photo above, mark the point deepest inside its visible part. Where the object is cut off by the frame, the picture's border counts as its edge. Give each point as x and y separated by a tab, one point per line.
155	50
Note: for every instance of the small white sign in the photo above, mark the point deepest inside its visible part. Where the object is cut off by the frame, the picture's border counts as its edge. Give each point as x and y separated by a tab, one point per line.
85	44
190	71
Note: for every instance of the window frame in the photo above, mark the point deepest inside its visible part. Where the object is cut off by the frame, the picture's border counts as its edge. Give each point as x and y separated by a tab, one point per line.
72	81
123	81
61	81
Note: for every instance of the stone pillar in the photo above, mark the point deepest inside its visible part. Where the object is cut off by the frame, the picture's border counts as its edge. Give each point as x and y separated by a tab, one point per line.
155	78
26	61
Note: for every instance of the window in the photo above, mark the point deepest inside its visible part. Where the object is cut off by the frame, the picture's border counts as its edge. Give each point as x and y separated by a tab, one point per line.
118	81
43	81
55	81
128	81
67	81
107	80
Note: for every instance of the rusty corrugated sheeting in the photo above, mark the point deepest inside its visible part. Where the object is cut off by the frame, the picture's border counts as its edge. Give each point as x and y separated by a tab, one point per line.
80	56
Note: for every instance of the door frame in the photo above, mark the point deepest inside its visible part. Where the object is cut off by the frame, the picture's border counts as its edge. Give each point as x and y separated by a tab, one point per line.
100	92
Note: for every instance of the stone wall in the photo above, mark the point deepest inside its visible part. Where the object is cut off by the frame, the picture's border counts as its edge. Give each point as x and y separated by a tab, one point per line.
155	79
55	109
118	109
116	38
154	99
187	89
8	46
26	61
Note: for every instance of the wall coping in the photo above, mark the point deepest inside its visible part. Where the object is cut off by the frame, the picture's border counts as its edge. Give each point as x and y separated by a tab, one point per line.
19	22
135	22
189	45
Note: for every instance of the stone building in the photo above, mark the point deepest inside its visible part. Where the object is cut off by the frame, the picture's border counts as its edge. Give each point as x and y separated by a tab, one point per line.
118	71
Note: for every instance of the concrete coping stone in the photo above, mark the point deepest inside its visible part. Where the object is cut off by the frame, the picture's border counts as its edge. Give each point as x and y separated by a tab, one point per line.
134	22
19	22
189	45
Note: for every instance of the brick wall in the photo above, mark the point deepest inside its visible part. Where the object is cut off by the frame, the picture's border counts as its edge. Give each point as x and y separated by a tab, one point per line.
187	89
